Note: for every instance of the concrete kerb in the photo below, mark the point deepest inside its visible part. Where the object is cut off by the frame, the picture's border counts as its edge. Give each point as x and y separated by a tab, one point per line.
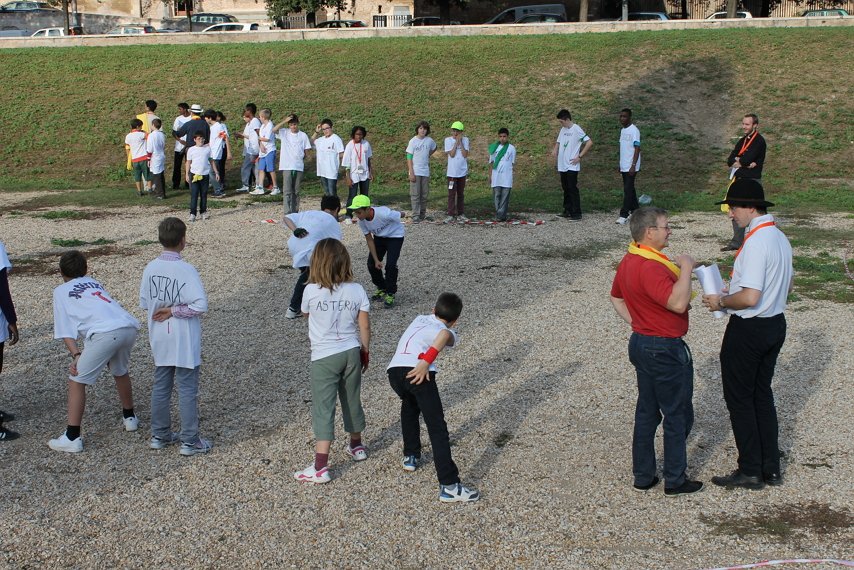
450	31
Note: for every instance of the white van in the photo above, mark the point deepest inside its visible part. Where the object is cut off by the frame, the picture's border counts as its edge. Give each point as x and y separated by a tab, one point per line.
512	15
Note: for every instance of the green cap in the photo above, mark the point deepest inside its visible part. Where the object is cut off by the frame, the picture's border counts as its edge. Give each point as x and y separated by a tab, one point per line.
458	126
360	201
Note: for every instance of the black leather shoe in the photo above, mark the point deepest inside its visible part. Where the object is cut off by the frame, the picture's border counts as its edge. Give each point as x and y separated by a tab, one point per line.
655	481
737	479
729	247
773	479
686	488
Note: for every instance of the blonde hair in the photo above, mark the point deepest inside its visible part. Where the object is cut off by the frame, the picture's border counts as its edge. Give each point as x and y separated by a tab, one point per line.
330	264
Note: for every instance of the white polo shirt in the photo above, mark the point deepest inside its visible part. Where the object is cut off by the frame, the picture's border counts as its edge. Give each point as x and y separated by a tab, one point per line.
764	264
155	144
569	142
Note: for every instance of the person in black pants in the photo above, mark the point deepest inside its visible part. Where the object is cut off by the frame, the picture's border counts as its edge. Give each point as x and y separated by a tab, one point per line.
384	233
745	161
8	321
180	147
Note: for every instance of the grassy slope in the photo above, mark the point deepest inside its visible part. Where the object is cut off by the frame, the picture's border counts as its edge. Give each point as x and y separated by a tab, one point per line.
63	112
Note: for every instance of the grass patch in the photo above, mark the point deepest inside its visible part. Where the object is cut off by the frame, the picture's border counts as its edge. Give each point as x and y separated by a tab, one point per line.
579	252
58	242
673	79
63	215
222	204
804	235
144	242
783	522
823	277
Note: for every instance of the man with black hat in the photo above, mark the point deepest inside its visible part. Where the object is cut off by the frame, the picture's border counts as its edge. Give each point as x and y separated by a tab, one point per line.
760	282
745	161
196	124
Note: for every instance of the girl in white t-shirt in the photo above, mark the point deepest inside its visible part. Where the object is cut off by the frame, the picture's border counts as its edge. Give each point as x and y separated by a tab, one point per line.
340	333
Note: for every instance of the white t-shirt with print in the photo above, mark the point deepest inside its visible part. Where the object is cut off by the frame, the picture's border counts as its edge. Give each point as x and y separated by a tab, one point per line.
421	149
136	141
174	342
218	135
569	142
503	175
199	158
329	150
764	264
250	134
333	317
7	265
82	307
319	225
155	145
266	132
417	339
458	165
176	126
629	139
292	151
386	223
356	156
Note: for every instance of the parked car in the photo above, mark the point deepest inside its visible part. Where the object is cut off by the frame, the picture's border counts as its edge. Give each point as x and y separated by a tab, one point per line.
49	33
131	30
13	32
169	31
828	13
643	16
232	27
513	15
541	19
207	19
722	15
26	7
341	24
428	21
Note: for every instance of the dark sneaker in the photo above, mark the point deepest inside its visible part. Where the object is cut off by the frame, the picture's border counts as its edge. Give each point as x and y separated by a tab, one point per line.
388	301
6	417
737	479
774	479
655	481
564	215
8	435
410	463
379	295
685	488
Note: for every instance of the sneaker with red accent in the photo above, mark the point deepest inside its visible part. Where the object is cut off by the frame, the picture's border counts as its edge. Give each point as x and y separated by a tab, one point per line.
311	475
358	453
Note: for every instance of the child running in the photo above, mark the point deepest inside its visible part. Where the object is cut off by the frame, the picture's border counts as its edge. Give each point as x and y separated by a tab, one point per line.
412	376
82	307
339	329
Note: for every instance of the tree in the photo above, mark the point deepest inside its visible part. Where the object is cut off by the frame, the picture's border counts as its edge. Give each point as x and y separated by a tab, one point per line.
583	8
279	9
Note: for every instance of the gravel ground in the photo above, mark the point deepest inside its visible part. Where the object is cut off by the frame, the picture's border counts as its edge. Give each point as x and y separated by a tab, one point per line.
539	399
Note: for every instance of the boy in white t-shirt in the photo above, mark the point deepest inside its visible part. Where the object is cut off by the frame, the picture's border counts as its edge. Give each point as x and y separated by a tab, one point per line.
82	307
266	155
200	163
457	149
330	151
571	146
135	147
155	144
250	146
292	155
502	157
220	149
8	331
418	152
412	376
630	163
174	297
384	233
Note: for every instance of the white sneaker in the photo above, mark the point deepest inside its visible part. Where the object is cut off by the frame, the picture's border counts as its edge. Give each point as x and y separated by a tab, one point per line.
163	442
259	191
201	446
457	493
309	475
358	453
131	423
448	219
275	191
192	218
462	218
291	314
243	188
622	221
62	443
205	216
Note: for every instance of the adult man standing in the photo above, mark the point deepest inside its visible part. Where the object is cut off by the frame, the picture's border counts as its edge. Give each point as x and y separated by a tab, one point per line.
745	161
194	125
571	146
652	293
180	144
630	162
761	281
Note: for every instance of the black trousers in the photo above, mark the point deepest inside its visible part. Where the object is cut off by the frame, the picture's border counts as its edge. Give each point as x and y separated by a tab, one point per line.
423	399
571	197
630	195
748	356
384	245
299	289
176	170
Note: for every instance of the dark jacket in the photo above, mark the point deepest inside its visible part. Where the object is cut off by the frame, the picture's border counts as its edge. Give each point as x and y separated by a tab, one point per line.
754	153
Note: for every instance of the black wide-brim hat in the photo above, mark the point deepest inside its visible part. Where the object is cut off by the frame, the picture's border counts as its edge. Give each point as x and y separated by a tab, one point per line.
746	192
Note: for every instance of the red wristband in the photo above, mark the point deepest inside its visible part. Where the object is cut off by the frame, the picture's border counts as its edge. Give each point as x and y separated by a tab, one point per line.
429	356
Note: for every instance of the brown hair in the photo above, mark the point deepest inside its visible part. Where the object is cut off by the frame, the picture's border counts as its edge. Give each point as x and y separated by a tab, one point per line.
330	264
171	231
72	264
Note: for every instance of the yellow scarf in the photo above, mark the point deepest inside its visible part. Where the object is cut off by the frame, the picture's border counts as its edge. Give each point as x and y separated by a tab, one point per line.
651	253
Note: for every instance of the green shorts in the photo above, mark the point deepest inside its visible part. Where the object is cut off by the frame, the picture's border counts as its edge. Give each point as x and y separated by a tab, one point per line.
140	171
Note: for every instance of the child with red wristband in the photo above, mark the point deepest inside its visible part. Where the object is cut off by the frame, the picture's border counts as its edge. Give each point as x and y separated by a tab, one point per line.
340	333
412	375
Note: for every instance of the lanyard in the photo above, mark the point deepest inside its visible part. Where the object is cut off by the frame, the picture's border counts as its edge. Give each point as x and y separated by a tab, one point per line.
747	142
358	152
746	237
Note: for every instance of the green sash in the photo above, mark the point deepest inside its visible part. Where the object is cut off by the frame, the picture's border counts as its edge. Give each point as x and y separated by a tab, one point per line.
500	154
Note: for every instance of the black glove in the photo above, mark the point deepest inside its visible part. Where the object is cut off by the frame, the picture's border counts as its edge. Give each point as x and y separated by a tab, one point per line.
300	233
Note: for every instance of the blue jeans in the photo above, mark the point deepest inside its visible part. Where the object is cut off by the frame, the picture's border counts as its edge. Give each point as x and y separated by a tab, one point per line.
247	169
188	402
199	194
329	185
665	372
501	196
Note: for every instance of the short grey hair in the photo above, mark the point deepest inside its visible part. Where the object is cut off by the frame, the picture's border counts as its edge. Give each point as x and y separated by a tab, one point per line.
644	218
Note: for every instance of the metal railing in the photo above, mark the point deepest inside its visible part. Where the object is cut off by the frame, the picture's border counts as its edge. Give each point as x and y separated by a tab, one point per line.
393	21
699	9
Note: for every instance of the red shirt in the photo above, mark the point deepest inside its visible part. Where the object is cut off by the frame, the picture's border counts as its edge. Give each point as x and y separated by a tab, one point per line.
645	286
